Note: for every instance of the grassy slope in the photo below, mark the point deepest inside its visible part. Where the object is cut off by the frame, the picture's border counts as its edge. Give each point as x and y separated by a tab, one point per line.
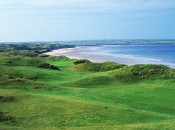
52	99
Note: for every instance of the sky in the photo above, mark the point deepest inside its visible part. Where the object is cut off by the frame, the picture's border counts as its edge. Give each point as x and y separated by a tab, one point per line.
58	20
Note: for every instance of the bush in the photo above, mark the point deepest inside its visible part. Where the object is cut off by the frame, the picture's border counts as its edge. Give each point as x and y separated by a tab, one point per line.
56	58
48	66
81	61
43	55
4	118
7	98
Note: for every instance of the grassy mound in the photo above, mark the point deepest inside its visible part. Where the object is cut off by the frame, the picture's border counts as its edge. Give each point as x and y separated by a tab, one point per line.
144	72
92	82
34	97
85	65
129	73
20	61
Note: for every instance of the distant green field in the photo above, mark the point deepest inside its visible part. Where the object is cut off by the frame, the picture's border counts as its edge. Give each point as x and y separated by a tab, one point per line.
82	95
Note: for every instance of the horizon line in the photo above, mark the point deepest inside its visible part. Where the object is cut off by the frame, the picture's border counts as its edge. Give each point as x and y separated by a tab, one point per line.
86	40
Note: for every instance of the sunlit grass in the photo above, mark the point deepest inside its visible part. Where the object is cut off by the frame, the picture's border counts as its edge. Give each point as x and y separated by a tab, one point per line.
40	98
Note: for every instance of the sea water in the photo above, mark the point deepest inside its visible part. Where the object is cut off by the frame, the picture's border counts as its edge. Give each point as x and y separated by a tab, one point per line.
162	52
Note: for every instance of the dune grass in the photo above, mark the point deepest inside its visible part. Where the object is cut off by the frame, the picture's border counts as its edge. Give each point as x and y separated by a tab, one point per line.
74	97
85	65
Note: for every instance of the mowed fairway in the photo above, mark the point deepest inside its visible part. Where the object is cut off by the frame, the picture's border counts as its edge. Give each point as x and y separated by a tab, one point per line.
41	98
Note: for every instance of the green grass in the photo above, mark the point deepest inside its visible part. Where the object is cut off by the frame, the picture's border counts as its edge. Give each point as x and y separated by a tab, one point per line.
74	97
96	67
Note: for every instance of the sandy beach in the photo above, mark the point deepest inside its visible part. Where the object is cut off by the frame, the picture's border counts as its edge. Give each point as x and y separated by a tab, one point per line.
94	54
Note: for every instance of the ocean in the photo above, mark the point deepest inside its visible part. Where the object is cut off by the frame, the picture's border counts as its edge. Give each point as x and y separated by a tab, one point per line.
127	54
162	52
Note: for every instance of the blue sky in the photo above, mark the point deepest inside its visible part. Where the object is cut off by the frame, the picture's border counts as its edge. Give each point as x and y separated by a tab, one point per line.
52	20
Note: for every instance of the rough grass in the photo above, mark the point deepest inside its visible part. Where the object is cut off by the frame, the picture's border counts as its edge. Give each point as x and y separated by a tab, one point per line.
98	81
144	72
102	97
84	65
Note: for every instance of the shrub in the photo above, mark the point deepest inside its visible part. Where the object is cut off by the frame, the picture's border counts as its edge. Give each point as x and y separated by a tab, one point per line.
81	61
7	98
43	55
48	66
4	118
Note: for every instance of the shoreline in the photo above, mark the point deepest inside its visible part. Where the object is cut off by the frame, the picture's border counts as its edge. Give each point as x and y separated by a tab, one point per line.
94	54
